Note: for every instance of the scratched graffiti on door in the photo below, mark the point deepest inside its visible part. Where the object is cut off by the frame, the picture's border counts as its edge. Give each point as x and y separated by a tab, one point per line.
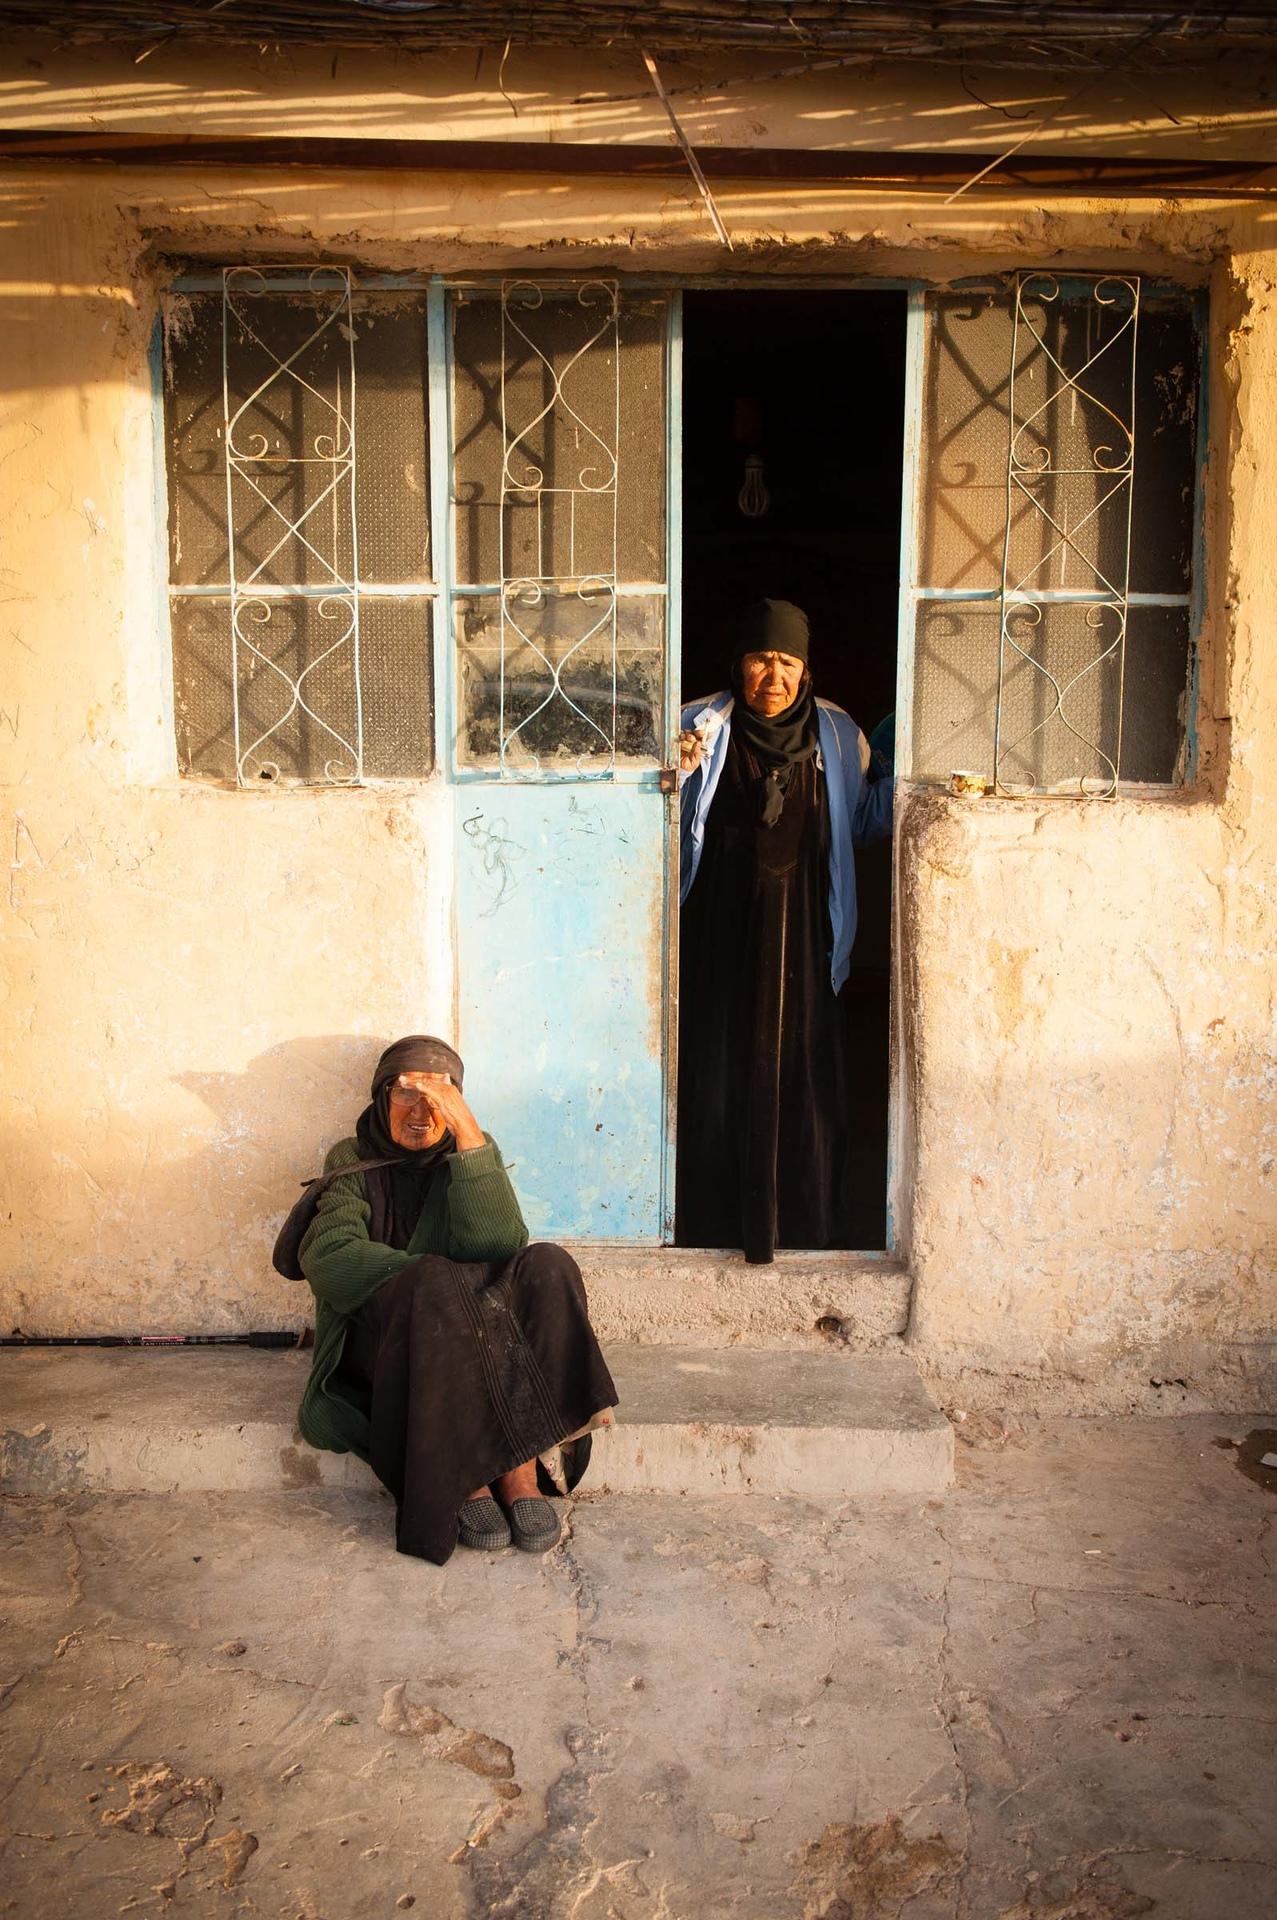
499	855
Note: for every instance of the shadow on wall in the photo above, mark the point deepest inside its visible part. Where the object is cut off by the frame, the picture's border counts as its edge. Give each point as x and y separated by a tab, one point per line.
163	1222
276	1121
483	93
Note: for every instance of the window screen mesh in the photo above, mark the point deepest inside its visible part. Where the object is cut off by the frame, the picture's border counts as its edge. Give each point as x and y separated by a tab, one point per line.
1079	652
1155	709
575	725
325	391
303	744
964	440
1067	535
955	680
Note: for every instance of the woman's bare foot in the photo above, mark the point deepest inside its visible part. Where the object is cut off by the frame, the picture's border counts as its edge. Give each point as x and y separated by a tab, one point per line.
519	1484
481	1493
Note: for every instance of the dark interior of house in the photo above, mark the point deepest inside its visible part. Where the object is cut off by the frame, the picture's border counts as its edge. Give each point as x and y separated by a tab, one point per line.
792	448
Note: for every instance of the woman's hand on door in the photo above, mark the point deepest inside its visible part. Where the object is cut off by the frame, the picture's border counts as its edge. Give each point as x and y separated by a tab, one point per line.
691	745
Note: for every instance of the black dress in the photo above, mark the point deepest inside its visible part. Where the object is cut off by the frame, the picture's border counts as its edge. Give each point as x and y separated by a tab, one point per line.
764	1076
466	1369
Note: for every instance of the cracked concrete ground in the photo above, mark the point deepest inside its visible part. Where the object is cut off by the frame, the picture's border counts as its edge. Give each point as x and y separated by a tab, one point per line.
1046	1696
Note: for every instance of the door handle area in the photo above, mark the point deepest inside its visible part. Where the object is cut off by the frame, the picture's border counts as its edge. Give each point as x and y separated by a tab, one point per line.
667	780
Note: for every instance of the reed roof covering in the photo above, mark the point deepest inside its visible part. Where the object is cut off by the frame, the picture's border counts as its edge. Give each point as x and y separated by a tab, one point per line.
1044	33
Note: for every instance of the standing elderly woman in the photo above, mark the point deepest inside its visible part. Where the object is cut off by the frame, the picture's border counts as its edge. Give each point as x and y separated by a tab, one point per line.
448	1352
774	800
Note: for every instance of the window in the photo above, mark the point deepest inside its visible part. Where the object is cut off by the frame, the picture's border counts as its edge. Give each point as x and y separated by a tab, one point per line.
1051	589
1048	575
300	569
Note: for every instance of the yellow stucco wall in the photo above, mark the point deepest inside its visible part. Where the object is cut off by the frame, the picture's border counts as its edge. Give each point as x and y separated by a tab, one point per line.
724	98
1094	1046
197	980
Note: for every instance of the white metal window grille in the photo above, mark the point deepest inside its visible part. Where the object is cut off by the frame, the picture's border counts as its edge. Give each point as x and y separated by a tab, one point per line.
298	469
558	487
1049	577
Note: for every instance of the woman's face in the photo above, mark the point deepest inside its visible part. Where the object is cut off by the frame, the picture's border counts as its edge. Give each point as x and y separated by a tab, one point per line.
770	681
415	1123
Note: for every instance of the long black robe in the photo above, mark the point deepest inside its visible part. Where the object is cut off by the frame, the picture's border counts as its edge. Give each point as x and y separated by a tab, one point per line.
467	1368
764	1074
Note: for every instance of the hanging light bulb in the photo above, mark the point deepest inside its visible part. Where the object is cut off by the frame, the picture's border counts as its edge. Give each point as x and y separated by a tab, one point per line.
753	498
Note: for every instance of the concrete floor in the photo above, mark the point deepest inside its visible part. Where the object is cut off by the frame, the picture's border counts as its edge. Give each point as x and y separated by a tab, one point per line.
1046	1695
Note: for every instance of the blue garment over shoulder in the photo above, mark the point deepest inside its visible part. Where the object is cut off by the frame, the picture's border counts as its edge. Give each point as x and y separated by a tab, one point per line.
859	811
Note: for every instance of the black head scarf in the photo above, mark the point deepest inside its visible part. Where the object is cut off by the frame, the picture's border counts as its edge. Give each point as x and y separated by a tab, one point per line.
397	1192
777	742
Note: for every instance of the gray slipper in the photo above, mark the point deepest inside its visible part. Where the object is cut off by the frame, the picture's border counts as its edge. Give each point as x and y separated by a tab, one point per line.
535	1525
482	1525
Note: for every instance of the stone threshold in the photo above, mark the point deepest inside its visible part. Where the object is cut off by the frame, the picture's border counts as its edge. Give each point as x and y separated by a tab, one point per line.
680	1296
691	1421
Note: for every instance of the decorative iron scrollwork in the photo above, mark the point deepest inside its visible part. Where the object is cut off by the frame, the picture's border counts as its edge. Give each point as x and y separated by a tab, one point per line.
560	454
301	487
1067	542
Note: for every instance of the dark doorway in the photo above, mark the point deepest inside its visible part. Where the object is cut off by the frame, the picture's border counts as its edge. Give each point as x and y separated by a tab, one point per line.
811	384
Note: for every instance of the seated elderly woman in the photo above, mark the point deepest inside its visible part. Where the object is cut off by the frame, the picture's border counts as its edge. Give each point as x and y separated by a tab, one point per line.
448	1352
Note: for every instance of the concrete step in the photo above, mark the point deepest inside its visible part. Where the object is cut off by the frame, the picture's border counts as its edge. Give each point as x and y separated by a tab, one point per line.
819	1425
676	1296
692	1420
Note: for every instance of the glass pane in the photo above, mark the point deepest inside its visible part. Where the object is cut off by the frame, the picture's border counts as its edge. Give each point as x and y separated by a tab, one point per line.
584	435
288	366
1155	706
298	718
1060	696
397	676
955	695
203	710
558	695
392	444
955	688
194	436
964	439
1168	365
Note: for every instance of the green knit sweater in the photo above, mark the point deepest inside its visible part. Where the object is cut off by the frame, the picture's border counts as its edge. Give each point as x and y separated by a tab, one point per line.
471	1214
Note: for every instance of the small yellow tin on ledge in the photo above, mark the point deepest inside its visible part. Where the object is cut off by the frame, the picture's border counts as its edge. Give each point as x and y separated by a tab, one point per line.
962	781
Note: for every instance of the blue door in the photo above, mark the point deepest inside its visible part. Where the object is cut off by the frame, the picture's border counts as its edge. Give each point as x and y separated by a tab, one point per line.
561	713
